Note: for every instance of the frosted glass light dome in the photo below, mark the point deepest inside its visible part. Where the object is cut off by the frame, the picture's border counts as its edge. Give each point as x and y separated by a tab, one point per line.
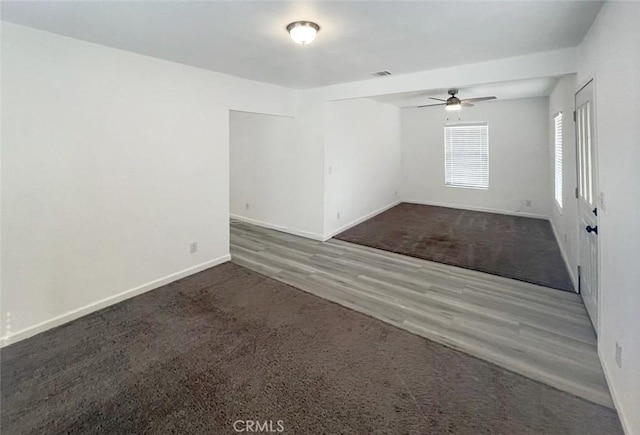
303	32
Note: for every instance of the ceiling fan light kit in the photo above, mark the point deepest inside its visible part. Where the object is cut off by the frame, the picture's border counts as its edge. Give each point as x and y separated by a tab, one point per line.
453	104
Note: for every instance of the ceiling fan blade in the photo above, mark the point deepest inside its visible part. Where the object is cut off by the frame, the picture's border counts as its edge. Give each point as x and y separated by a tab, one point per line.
475	100
467	104
431	105
439	99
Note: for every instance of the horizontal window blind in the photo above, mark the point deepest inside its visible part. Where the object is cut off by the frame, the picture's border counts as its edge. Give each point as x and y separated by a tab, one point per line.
558	158
466	149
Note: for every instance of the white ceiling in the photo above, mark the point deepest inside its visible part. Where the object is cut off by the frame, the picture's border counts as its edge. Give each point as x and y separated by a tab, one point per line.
248	39
540	87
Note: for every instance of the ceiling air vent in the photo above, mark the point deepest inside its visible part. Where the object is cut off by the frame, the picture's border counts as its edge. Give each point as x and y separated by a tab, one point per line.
381	73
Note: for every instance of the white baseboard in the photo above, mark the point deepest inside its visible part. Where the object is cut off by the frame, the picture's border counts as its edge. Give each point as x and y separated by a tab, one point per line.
307	234
474	208
359	220
111	300
574	278
616	402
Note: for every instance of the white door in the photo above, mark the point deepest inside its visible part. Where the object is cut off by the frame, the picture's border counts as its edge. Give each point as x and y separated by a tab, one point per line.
587	200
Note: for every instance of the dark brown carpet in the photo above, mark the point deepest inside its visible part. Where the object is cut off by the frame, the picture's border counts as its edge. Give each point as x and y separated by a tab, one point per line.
511	246
229	344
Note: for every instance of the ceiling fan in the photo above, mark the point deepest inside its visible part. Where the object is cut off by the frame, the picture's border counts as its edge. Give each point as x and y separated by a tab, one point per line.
455	103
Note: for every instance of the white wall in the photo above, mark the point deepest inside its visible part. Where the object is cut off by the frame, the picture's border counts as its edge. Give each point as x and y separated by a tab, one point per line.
565	220
362	161
310	133
112	163
518	157
609	54
269	172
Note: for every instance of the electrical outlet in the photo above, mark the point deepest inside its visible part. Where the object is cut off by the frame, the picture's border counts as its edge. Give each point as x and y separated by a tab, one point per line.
193	247
396	193
602	207
330	169
527	202
246	206
618	355
338	215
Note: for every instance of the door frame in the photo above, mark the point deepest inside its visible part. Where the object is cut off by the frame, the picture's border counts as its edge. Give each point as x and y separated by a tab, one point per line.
598	194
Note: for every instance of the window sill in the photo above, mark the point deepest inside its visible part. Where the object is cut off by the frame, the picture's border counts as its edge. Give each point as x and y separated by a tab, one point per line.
466	187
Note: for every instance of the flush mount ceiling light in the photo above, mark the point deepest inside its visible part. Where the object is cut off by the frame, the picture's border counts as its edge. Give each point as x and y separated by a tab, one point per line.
303	32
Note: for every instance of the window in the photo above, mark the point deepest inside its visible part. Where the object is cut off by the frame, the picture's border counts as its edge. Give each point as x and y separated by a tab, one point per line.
557	120
466	155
